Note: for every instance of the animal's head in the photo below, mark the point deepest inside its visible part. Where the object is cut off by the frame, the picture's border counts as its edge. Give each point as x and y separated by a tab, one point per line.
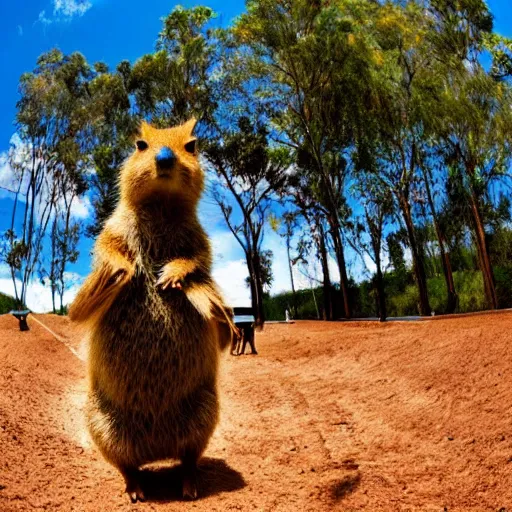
164	165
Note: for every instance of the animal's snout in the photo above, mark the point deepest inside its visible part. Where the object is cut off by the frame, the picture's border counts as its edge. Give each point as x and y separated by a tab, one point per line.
165	159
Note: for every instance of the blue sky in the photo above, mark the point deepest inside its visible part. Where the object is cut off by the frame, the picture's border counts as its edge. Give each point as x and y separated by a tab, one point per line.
110	31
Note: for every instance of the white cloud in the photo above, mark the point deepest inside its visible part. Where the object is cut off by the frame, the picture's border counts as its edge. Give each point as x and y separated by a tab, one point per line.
43	19
39	298
19	152
225	247
230	277
20	30
65	10
70	8
230	268
81	208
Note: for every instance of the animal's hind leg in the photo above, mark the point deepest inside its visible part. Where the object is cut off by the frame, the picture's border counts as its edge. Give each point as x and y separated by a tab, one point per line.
251	343
239	342
189	462
234	345
132	479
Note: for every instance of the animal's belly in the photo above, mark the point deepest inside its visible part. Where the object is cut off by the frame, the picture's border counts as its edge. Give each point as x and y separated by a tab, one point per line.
152	348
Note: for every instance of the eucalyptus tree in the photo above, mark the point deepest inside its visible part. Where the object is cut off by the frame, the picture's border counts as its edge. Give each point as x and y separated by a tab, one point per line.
429	181
115	124
286	226
173	83
477	144
474	111
407	88
52	128
378	210
314	238
314	60
249	170
462	31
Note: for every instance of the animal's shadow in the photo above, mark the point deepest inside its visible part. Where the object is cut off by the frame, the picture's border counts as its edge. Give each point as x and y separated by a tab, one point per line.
340	489
165	483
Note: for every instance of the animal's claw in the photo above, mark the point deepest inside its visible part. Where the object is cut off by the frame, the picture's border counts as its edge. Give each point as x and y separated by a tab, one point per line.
189	489
177	284
165	282
136	496
133	489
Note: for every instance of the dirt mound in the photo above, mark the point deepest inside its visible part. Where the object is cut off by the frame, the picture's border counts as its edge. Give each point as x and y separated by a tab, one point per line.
330	416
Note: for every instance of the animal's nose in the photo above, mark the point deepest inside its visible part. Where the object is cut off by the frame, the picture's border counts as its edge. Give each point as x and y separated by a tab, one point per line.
165	159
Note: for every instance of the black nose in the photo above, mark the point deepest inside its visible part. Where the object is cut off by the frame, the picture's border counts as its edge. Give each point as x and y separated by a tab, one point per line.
165	159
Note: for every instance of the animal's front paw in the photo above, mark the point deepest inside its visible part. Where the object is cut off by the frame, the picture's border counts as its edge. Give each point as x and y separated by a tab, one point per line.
164	282
170	278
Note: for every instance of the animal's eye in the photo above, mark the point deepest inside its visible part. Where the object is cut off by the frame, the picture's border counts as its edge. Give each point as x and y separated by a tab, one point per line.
141	145
190	147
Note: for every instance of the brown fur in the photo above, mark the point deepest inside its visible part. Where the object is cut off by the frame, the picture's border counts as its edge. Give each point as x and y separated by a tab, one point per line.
156	319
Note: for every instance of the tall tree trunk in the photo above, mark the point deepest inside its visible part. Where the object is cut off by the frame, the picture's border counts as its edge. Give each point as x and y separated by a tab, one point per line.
376	240
322	248
290	267
452	297
316	303
332	206
483	253
451	300
65	247
13	218
381	295
53	270
254	266
417	258
260	319
342	267
252	286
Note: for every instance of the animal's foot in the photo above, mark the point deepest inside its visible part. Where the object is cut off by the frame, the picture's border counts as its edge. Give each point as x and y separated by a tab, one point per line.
189	488
136	495
133	487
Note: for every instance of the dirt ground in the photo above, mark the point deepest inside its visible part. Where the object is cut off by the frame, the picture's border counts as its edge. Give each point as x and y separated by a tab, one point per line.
329	416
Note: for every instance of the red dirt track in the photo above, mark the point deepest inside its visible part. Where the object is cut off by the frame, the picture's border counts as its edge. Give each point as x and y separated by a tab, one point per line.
412	416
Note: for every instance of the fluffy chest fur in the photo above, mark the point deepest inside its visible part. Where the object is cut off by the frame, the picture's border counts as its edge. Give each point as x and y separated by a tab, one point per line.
152	347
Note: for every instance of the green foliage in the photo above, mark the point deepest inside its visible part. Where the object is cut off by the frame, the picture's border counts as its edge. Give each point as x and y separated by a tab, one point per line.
265	270
173	84
402	299
303	102
7	304
276	306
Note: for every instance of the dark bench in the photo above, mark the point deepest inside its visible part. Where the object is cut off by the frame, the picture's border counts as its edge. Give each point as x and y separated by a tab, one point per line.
22	318
244	320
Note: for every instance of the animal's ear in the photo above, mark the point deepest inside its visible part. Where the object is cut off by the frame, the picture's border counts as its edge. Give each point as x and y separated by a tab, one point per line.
188	127
144	129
